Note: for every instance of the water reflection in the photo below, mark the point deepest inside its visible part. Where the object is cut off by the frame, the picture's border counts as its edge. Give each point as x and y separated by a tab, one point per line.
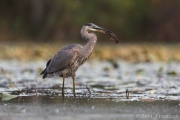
84	108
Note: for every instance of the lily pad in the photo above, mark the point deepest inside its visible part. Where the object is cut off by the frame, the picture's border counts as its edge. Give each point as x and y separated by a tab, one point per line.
6	96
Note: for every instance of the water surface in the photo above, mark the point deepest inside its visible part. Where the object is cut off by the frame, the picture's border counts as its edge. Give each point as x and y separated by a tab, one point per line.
86	109
154	91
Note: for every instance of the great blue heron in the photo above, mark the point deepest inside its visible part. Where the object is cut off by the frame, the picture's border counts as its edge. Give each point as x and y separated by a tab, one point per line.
66	62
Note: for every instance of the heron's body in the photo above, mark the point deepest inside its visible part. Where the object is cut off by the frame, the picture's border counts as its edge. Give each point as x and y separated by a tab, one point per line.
67	61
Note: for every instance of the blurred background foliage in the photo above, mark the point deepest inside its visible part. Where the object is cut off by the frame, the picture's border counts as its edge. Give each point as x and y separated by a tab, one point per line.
130	20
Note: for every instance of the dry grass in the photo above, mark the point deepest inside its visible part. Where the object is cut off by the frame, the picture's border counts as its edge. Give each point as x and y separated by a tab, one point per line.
127	52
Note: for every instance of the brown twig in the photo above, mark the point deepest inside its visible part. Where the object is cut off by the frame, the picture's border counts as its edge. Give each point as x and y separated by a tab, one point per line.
19	90
20	99
36	93
127	93
88	90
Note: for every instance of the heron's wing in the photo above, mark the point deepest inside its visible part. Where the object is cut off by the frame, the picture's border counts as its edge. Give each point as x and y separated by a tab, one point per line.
47	64
62	60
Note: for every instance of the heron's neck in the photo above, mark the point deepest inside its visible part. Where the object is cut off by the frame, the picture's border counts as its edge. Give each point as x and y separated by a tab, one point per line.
92	39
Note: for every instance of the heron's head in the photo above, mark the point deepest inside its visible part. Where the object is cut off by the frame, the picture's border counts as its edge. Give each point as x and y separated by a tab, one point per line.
93	27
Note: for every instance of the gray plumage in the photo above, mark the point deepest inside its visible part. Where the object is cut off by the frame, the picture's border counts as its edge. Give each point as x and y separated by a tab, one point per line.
66	62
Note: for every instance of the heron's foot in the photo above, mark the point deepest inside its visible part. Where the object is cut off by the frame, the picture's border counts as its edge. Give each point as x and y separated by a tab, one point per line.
74	95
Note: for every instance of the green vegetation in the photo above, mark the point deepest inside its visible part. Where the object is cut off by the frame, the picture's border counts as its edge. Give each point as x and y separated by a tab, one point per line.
130	20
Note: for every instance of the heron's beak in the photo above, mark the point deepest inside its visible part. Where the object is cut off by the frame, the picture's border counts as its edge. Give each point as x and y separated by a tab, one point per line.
111	35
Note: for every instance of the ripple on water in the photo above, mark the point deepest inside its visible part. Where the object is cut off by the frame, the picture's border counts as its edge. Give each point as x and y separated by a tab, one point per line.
141	79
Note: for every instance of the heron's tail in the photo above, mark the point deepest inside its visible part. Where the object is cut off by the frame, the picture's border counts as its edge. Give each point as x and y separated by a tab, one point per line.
44	76
44	73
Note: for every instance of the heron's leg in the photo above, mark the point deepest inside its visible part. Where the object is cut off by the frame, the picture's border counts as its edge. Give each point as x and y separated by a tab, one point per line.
73	77
64	75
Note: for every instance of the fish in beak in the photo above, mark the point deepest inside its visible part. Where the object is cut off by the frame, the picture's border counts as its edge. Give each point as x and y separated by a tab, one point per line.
111	35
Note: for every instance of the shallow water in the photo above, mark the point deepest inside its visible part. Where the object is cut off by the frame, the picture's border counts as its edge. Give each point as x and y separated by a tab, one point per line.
153	91
86	109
